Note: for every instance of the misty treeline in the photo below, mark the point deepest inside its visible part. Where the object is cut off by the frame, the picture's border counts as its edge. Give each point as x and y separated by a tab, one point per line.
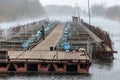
62	10
112	12
16	9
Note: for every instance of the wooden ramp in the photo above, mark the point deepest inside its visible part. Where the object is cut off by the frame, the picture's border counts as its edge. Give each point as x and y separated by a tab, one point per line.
52	39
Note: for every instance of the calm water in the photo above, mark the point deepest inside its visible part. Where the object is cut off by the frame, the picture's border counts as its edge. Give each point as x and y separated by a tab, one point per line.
99	70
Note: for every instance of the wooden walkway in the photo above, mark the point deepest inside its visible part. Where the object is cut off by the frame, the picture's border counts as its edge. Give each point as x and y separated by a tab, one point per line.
53	38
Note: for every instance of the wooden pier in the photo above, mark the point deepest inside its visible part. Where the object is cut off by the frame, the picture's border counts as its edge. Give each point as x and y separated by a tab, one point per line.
46	56
42	59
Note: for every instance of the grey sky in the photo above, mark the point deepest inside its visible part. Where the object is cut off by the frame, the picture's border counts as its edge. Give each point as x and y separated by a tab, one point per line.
81	3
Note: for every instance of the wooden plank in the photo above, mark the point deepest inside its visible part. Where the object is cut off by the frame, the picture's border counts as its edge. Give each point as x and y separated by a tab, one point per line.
52	39
48	55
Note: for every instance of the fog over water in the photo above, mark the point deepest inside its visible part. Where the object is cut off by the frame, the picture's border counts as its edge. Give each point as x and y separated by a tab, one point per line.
81	3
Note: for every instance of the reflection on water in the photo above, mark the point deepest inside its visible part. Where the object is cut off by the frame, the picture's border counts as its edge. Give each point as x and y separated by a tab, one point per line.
48	77
107	65
100	70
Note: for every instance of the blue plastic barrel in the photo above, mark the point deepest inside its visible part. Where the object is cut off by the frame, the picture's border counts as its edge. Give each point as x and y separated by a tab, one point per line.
25	45
66	46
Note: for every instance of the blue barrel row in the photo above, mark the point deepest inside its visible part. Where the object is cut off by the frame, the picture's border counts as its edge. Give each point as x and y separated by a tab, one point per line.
66	33
25	43
50	26
63	42
37	36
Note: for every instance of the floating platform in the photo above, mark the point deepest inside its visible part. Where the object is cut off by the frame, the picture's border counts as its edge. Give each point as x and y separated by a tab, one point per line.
67	47
45	61
42	58
103	49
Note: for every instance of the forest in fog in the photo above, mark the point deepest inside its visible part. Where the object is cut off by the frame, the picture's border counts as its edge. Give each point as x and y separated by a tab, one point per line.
25	9
16	9
111	12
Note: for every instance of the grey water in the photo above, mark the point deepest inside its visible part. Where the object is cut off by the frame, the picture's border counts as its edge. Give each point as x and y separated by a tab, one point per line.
99	70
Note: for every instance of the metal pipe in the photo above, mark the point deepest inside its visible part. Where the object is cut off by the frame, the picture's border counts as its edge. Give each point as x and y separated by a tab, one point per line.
78	11
89	12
